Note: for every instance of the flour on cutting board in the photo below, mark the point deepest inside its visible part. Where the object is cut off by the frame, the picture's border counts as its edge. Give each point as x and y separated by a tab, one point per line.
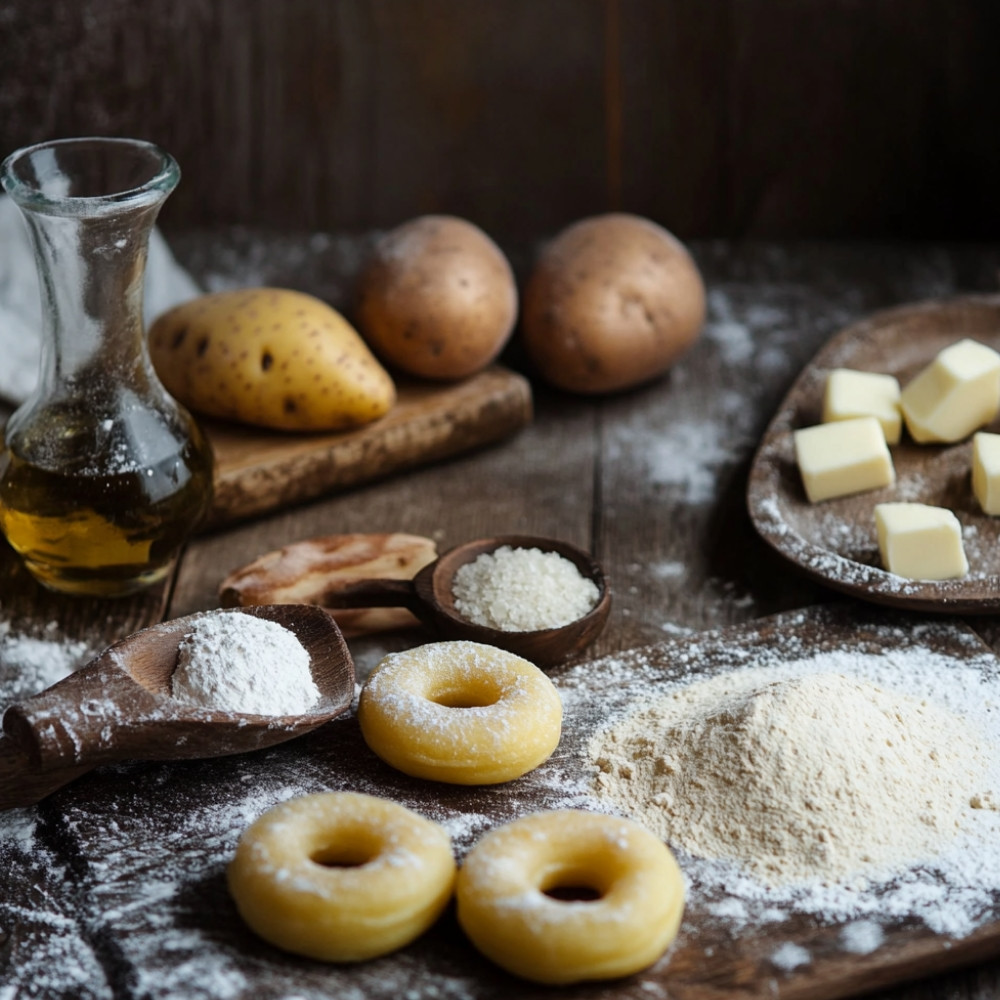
862	937
807	774
149	886
56	958
952	890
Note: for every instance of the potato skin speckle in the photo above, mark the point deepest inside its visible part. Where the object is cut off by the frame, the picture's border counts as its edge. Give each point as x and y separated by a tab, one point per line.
253	356
437	298
612	302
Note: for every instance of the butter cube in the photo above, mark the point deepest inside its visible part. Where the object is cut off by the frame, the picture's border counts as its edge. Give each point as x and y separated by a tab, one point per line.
958	392
851	394
920	542
986	471
847	456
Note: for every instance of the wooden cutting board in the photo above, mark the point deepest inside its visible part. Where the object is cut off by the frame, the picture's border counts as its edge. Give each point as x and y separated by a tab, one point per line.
257	471
181	820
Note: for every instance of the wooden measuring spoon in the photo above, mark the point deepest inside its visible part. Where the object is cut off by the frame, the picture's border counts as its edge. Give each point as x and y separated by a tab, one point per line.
118	707
430	598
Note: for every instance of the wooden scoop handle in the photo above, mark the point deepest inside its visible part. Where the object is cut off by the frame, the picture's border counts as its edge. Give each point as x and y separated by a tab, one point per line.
22	783
96	715
375	594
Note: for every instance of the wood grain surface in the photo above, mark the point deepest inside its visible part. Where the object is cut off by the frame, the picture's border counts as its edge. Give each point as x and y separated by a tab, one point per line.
208	945
114	888
763	118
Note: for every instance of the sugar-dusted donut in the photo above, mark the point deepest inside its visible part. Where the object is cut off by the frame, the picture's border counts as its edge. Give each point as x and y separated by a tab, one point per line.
505	908
341	876
461	712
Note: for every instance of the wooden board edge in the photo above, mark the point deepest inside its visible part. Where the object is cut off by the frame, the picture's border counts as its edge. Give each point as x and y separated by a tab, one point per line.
481	411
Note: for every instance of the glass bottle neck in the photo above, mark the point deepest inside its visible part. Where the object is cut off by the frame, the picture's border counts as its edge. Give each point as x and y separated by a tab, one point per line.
91	270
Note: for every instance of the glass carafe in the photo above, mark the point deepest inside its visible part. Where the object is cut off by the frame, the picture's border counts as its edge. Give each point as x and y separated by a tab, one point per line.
103	475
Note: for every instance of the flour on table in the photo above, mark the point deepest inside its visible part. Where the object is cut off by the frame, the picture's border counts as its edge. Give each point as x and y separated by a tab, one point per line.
861	937
150	886
688	456
789	956
45	928
31	663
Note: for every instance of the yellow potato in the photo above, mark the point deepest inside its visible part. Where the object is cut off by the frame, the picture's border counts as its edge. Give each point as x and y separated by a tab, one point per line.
270	357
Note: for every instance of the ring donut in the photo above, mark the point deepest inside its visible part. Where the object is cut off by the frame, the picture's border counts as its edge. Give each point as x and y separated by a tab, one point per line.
341	876
461	712
505	908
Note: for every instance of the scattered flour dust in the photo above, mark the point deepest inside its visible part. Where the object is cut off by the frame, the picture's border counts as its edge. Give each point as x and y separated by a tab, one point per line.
862	937
31	663
858	787
789	956
157	889
39	923
236	662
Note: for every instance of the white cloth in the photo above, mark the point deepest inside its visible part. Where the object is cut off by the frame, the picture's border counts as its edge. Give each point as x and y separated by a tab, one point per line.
167	284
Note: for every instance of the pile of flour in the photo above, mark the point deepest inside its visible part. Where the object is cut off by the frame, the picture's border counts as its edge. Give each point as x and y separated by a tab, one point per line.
819	776
234	662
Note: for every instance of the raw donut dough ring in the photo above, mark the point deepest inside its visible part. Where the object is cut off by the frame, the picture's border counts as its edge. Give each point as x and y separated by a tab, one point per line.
461	712
504	909
341	876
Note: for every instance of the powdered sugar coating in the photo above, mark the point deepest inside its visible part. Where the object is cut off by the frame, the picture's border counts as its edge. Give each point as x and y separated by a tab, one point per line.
460	711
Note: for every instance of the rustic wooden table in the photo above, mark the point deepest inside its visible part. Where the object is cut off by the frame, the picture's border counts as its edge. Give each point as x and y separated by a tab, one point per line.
113	887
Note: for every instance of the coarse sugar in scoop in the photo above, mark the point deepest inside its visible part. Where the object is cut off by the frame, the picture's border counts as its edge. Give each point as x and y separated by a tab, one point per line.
522	590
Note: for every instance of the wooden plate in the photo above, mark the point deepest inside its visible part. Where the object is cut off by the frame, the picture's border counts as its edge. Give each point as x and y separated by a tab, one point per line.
834	542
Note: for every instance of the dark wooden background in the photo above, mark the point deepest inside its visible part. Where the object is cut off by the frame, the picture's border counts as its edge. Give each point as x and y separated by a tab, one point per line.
730	118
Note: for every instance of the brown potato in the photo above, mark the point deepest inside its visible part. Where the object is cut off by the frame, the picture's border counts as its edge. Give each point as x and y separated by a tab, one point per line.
613	301
437	299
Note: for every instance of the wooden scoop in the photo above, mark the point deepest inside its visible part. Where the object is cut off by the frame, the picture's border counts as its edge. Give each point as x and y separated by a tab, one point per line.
429	597
118	707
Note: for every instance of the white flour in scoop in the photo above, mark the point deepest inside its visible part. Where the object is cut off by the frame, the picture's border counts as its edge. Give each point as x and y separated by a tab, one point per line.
234	662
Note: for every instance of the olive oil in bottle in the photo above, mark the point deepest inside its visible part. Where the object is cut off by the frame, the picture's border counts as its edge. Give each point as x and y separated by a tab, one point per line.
103	475
106	528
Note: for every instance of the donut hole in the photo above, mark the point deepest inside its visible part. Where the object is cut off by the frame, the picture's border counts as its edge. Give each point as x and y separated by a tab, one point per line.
573	885
573	894
466	696
345	854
